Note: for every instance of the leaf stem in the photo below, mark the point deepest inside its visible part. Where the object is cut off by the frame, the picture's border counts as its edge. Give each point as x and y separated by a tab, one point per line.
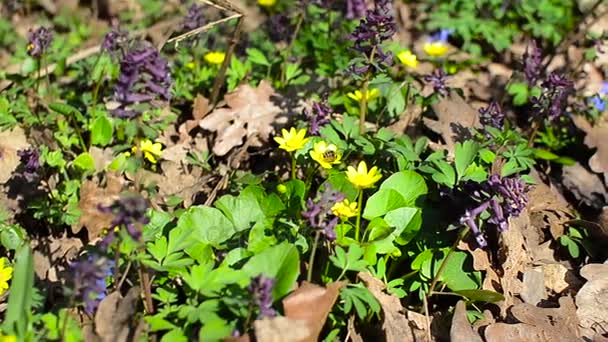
445	261
311	259
293	166
359	206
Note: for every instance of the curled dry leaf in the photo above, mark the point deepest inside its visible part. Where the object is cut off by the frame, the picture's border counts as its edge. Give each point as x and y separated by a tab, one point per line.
250	112
11	141
51	256
592	300
116	318
200	108
461	330
399	324
454	118
548	210
587	187
91	197
595	138
513	257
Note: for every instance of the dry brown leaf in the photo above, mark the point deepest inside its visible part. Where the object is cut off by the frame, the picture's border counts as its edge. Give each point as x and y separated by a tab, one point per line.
548	210
91	197
176	153
102	157
396	326
461	330
250	112
533	291
592	300
311	304
352	334
595	138
281	329
454	118
51	256
200	108
513	257
587	187
116	319
10	143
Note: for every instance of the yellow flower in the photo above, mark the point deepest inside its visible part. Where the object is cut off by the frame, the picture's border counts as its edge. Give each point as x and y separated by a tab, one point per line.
267	3
357	95
407	58
345	209
8	338
292	140
325	155
215	57
361	178
150	150
436	49
6	273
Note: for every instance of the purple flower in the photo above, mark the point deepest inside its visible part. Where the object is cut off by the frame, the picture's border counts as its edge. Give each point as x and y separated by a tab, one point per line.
195	18
355	9
554	97
492	115
39	41
533	60
129	211
261	291
89	280
144	76
318	213
114	40
378	26
319	116
437	79
503	198
30	159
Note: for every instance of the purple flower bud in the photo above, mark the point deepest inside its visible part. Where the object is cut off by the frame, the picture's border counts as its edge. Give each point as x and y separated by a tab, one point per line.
533	60
492	115
114	40
437	79
39	41
318	212
89	280
144	76
261	291
319	116
195	18
128	212
30	159
554	97
355	9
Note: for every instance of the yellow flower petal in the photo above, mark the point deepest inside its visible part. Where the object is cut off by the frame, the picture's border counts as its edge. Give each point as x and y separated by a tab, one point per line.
407	58
361	178
326	155
267	3
436	49
345	209
215	57
292	140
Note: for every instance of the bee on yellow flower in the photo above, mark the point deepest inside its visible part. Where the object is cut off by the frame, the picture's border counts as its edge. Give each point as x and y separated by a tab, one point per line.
361	177
267	3
357	95
407	58
215	57
6	273
345	209
437	45
152	151
292	140
326	155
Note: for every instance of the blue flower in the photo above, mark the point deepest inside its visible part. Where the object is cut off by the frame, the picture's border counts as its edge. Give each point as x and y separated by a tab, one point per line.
441	36
597	100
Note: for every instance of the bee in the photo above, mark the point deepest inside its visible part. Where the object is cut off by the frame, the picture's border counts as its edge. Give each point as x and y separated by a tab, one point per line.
330	155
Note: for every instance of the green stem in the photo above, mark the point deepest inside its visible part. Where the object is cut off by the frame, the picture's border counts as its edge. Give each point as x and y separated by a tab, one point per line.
363	107
358	223
445	261
97	82
311	259
293	166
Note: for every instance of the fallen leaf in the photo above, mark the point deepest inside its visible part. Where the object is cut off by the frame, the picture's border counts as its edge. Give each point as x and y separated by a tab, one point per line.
586	187
52	255
396	326
352	331
533	291
311	304
513	257
592	300
250	112
102	157
91	197
116	319
281	329
10	143
595	139
461	330
454	118
200	108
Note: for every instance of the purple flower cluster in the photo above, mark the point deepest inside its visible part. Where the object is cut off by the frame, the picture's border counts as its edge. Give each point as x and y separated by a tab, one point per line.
554	97
377	26
318	213
503	197
89	280
355	9
319	116
144	76
30	159
114	40
128	212
533	60
39	41
195	18
437	79
261	290
492	116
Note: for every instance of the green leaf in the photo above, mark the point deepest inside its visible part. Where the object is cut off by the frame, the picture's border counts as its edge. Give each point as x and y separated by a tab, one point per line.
207	225
67	110
281	262
243	211
102	131
458	273
383	201
351	260
257	57
407	222
519	91
20	299
487	155
481	296
464	155
84	162
544	154
215	330
408	183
